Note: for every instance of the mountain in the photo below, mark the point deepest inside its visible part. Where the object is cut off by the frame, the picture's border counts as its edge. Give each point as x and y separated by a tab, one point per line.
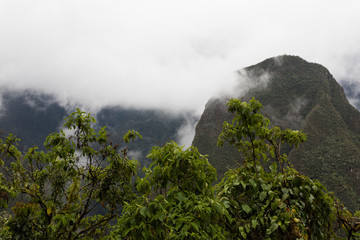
32	116
156	128
299	95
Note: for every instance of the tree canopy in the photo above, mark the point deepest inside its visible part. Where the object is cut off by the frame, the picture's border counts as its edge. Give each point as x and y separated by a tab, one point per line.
85	187
72	191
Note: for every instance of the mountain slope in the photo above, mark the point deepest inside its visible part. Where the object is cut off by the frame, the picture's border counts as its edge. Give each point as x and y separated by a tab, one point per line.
298	95
155	127
32	116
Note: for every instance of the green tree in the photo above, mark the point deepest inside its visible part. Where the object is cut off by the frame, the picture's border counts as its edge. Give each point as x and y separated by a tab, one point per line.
251	134
275	204
178	200
72	191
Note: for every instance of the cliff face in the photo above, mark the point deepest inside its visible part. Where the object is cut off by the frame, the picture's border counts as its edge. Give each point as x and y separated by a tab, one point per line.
298	95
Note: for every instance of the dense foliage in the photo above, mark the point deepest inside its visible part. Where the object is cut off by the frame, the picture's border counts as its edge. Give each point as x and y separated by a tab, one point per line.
85	187
57	192
178	200
270	204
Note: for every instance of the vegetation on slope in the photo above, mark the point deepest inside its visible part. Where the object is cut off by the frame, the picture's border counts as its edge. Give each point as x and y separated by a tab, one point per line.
303	96
32	116
54	193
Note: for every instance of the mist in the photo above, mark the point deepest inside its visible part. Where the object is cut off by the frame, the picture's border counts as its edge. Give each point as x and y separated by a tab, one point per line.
165	54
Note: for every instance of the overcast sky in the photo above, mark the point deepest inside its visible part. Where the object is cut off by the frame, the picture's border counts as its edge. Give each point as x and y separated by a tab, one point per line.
166	54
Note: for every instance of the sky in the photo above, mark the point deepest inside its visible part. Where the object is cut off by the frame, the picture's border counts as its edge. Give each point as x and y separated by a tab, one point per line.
165	54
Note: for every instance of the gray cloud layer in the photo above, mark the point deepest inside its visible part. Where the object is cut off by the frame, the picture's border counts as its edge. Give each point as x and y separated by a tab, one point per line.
165	54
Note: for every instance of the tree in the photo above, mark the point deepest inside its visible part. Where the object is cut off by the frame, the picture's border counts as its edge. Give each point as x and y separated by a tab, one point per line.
274	204
250	133
177	200
61	193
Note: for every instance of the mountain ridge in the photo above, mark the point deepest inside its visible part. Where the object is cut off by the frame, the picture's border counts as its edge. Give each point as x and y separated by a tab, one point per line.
305	96
32	116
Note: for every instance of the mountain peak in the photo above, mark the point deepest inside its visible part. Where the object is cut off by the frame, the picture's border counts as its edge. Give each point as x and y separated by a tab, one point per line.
298	95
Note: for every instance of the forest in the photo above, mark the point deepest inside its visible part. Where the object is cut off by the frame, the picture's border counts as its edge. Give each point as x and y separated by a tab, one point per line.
84	186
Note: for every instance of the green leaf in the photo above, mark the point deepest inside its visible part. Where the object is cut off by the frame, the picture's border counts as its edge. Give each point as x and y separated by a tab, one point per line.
195	225
253	183
226	204
273	227
284	196
246	208
254	223
143	211
262	195
180	197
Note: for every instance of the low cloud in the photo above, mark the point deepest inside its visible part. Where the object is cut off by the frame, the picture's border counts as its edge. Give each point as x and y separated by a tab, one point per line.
352	91
248	80
355	102
244	81
292	119
166	55
186	133
279	60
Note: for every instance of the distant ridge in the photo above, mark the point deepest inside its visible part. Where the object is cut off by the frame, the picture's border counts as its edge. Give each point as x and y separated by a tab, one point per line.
32	116
298	95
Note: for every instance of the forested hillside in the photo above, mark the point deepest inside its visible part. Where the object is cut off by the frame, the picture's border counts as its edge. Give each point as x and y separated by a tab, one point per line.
304	96
32	116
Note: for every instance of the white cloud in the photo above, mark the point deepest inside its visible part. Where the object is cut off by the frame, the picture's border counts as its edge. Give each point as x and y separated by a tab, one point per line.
185	134
165	54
